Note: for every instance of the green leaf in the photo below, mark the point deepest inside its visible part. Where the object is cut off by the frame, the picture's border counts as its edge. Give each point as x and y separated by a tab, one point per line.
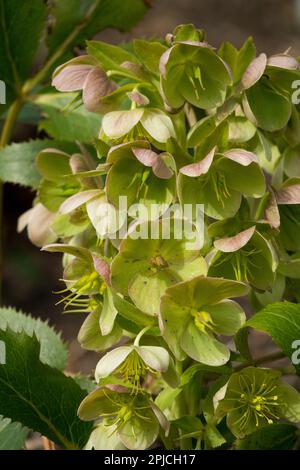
65	124
17	161
38	396
21	26
279	436
53	350
281	320
93	16
12	435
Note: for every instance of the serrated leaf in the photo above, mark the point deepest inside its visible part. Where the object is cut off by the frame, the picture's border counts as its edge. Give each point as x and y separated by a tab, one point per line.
17	161
12	435
93	16
67	125
21	26
280	320
38	396
53	350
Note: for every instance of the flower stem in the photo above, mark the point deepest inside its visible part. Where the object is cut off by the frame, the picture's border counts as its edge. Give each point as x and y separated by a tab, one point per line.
261	360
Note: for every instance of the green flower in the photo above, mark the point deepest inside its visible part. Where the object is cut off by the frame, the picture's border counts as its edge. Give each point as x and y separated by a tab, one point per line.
256	397
219	181
267	86
151	123
135	419
83	74
133	363
145	267
193	313
247	256
192	71
141	175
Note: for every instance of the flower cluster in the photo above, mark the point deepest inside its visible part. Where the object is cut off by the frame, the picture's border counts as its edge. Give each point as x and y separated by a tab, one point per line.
182	123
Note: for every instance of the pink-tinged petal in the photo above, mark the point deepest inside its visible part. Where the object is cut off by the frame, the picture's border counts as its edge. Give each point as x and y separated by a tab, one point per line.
136	69
272	214
118	123
71	77
289	195
39	226
96	86
164	60
241	156
199	168
254	71
197	44
145	156
283	61
103	268
161	418
161	170
138	98
77	200
235	243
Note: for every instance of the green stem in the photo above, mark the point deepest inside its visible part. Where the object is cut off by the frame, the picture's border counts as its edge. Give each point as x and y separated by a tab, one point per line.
261	360
4	140
39	77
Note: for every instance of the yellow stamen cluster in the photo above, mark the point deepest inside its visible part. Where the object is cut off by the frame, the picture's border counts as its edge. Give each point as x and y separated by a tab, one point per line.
134	370
202	320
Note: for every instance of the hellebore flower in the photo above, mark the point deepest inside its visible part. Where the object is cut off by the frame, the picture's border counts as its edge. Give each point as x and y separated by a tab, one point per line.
145	267
87	278
194	312
132	124
83	73
132	363
256	397
267	87
142	176
219	180
247	256
192	71
135	419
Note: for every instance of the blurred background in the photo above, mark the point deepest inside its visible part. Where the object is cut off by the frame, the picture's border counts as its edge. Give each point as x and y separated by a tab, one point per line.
30	276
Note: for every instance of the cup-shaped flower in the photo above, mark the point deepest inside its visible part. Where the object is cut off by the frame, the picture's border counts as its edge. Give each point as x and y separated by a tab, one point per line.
247	256
192	72
195	312
132	124
256	397
152	258
132	363
83	74
142	176
219	180
267	85
134	418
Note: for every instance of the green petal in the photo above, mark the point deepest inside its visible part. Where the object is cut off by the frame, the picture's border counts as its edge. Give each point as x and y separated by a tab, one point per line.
116	124
96	404
271	109
248	180
227	317
108	313
123	269
291	407
146	289
139	434
90	336
102	438
154	356
111	361
53	164
158	125
174	319
203	348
